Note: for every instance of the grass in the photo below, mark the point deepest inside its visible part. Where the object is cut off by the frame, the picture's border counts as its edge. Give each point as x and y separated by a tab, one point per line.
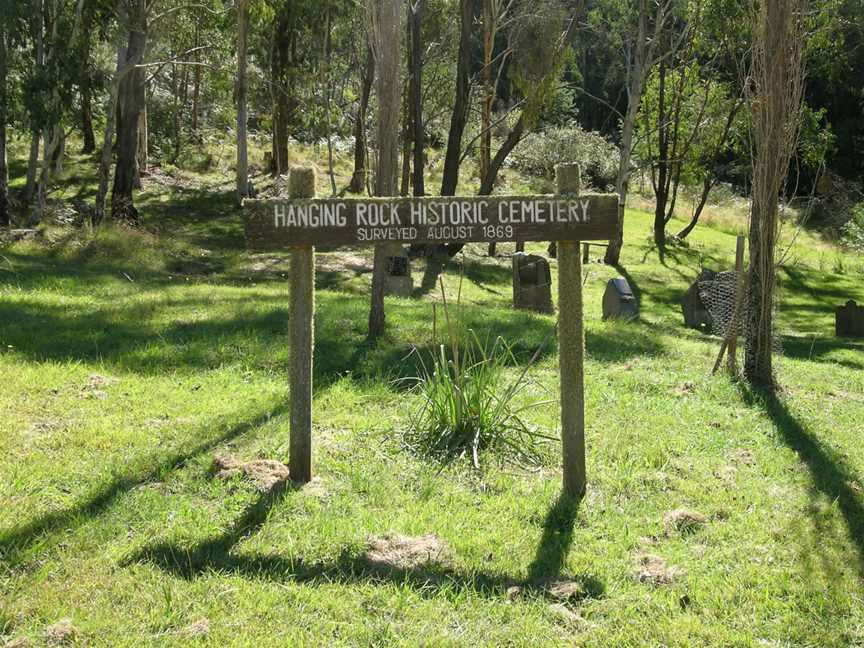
129	359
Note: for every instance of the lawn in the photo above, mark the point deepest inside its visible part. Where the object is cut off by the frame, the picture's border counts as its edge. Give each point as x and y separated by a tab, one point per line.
130	359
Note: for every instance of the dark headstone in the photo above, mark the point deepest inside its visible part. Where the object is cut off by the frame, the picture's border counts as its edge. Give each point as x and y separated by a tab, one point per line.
532	283
619	302
850	320
696	314
710	302
398	280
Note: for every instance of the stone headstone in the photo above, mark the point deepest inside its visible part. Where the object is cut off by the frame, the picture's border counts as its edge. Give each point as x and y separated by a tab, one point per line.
849	320
710	302
696	314
398	280
532	283
619	302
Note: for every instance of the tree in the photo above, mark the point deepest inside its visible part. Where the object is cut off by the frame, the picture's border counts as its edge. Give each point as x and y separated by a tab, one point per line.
461	102
242	174
367	77
776	91
416	105
644	26
133	16
5	218
385	18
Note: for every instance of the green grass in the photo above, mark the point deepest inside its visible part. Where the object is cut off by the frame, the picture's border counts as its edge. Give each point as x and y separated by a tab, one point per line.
110	515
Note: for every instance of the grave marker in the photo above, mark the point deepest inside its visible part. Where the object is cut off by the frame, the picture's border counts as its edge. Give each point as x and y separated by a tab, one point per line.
300	223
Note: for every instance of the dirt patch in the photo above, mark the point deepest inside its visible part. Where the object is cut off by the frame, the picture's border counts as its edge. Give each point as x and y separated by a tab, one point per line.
398	552
95	387
653	570
200	628
344	262
20	642
683	521
568	591
563	613
685	389
743	457
266	474
61	633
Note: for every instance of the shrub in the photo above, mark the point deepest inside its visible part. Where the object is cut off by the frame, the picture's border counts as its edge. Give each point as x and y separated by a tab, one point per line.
467	406
539	153
852	233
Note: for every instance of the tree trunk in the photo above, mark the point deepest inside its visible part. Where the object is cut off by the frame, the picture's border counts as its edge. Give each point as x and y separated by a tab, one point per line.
32	167
461	104
778	80
417	99
707	185
638	71
108	139
279	73
87	132
242	115
86	82
488	94
661	186
130	103
143	155
196	89
513	139
5	218
385	39
358	179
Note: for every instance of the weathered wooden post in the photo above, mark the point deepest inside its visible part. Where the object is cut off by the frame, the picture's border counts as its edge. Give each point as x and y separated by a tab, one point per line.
571	336
301	326
736	309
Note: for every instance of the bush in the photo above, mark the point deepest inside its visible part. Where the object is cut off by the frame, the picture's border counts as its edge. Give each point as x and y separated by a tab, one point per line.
852	233
539	153
467	407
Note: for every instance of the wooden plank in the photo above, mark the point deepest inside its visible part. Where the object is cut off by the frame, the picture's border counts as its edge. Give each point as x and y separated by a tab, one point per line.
279	224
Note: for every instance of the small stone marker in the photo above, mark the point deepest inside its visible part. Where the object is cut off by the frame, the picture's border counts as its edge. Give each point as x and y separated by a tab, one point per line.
532	283
619	302
849	321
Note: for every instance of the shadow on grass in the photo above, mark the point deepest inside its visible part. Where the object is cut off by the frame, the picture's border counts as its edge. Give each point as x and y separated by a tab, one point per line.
824	350
828	472
16	540
215	555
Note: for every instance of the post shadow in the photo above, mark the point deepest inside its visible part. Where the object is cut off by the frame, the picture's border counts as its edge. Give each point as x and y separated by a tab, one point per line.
18	539
215	555
828	473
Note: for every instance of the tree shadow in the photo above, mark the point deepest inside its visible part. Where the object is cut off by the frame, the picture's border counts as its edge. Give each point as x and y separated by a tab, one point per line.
819	349
828	472
351	566
16	540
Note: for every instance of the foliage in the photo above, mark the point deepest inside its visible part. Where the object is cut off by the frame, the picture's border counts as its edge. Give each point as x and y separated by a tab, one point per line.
468	407
852	233
539	153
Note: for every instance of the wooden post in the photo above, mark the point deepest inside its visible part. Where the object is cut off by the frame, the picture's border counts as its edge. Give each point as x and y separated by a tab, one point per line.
301	331
736	310
571	345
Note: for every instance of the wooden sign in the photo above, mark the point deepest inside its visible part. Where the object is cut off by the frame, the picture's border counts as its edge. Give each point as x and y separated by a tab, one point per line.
276	224
302	222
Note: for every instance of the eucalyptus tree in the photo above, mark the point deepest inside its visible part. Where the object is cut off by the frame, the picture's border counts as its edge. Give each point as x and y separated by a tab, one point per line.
776	92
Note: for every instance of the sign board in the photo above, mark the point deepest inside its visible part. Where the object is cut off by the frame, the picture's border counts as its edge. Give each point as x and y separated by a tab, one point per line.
276	224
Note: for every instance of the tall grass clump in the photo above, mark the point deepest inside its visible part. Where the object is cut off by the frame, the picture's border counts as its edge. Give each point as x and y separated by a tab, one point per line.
468	406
